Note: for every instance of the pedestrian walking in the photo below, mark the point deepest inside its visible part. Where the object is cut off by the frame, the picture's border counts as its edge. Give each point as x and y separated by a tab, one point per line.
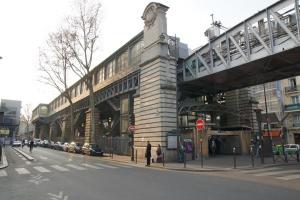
148	153
31	146
158	154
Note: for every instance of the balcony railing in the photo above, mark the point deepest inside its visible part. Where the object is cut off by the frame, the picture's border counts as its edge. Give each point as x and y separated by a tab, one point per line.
292	107
295	88
296	124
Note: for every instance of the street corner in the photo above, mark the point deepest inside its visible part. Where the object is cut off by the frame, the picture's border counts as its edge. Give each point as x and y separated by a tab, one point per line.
22	153
3	163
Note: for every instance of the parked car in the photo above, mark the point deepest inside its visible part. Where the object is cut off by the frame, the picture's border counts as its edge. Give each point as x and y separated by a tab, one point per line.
92	149
291	148
17	143
51	145
75	147
46	143
58	146
65	146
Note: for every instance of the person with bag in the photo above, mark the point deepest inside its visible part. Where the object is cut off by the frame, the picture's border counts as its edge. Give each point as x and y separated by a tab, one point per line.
148	153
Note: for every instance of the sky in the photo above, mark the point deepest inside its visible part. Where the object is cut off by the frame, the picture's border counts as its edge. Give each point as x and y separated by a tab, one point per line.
25	26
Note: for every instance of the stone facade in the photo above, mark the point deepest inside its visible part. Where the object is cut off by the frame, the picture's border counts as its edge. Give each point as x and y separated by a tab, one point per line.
155	107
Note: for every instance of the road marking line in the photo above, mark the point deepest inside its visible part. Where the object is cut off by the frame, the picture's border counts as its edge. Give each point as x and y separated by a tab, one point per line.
107	166
41	169
22	171
91	166
277	172
3	173
290	177
76	167
59	168
123	165
260	170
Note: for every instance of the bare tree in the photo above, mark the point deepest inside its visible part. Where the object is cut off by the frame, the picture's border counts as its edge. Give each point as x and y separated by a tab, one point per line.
54	65
81	33
26	117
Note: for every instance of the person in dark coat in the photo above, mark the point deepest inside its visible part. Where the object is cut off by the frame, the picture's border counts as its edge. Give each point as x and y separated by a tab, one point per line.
148	153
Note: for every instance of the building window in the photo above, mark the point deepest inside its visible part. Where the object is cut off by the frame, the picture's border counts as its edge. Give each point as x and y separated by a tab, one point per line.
296	121
110	70
122	62
135	53
295	99
101	74
292	82
96	77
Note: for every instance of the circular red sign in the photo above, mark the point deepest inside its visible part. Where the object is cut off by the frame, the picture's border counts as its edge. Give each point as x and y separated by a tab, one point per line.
131	128
200	124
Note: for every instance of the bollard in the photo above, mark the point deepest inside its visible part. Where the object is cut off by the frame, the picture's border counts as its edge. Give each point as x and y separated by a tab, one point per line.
298	155
285	157
136	156
184	159
201	153
234	158
261	154
252	157
163	158
0	152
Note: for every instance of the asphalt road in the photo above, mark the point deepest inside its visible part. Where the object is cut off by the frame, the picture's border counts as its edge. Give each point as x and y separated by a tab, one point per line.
59	175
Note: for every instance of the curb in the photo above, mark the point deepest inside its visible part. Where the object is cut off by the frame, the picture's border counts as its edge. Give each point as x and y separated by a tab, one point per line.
28	157
172	168
4	160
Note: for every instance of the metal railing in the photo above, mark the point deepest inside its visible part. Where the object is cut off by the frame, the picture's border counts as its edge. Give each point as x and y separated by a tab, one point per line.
292	107
264	34
290	89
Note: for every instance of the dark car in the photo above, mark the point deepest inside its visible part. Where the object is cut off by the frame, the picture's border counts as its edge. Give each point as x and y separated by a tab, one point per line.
91	149
75	147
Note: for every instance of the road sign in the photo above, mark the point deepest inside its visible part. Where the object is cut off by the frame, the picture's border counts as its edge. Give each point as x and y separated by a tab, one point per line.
131	128
200	124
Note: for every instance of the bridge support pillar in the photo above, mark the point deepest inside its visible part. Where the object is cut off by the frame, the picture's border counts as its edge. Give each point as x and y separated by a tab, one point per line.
66	130
155	106
88	127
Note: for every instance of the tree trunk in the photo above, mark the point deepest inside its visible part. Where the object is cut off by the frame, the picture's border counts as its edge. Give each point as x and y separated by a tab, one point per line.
92	108
72	136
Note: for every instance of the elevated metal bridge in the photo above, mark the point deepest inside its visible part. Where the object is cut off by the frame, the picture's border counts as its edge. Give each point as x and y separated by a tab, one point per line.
263	48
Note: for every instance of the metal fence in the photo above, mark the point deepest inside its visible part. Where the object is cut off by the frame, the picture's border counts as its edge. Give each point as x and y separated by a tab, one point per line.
117	145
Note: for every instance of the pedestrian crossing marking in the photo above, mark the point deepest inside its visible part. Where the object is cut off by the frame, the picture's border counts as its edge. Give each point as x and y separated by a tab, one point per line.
41	169
260	170
59	168
91	166
124	166
107	166
22	171
290	177
76	167
277	172
3	173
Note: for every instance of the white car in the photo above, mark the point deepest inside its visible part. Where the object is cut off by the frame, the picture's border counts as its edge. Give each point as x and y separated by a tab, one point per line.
291	148
17	143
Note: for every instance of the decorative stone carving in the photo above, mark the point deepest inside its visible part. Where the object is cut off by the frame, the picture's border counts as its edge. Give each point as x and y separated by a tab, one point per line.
150	15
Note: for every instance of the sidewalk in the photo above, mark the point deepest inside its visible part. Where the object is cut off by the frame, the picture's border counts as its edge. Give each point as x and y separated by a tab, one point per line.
3	162
212	164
